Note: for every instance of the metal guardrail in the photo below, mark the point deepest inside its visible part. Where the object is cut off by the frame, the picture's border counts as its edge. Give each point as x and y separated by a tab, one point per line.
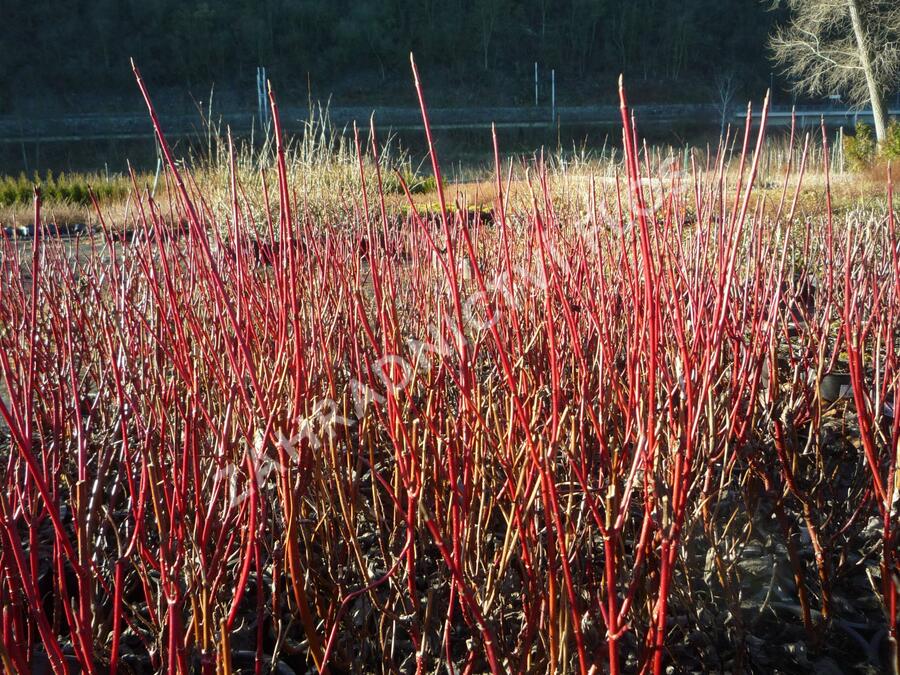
782	116
137	125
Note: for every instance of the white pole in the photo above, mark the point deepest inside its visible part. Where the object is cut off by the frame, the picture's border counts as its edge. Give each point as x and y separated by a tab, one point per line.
553	93
265	95
262	98
841	146
259	98
535	84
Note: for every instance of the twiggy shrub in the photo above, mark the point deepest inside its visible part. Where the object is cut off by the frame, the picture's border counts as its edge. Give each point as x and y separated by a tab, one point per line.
860	149
890	149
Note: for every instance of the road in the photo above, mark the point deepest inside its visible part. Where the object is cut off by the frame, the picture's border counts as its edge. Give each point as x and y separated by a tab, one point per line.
137	125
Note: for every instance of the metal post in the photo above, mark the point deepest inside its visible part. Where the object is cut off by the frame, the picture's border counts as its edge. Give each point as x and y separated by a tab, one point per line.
535	84
261	98
841	146
553	94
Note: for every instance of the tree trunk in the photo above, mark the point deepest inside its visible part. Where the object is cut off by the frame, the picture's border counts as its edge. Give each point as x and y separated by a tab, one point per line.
486	34
865	59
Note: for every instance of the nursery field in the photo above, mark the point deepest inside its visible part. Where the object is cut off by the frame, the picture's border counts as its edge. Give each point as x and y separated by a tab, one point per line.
632	412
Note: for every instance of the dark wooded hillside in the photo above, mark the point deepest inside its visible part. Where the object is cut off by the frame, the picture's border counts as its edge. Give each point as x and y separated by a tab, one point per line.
73	54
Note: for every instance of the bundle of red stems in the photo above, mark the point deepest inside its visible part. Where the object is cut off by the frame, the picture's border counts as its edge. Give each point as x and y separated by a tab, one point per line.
398	441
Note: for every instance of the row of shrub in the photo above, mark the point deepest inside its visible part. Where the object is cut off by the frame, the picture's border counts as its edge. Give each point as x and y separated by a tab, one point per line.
418	185
75	188
861	149
63	188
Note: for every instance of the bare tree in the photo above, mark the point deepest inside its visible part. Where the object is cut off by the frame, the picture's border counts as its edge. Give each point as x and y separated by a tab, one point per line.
725	86
846	46
488	12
